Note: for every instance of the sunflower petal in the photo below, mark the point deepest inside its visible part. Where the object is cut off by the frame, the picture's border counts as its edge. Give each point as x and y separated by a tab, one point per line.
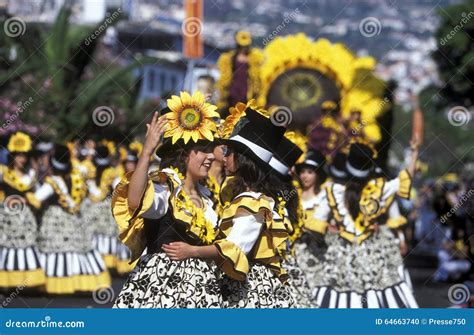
195	135
174	104
186	136
206	133
198	99
186	99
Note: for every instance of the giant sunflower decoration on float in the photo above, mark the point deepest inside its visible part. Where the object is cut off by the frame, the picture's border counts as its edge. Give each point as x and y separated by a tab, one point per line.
190	118
302	74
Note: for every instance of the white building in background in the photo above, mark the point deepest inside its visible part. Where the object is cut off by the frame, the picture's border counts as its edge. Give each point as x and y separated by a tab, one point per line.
83	11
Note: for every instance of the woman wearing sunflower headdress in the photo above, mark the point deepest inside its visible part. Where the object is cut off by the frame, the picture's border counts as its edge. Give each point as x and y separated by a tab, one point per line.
19	257
170	206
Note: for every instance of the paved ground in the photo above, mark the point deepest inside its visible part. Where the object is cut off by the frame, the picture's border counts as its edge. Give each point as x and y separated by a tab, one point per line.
427	293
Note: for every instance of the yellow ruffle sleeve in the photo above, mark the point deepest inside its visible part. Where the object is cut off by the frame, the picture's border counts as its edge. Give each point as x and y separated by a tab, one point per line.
395	223
272	238
32	200
405	184
129	220
234	262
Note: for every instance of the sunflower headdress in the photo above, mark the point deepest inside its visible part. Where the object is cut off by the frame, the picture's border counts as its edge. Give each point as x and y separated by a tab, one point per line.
190	117
19	142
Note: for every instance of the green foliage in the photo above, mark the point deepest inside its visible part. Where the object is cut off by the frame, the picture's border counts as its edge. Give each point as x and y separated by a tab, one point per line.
58	67
455	53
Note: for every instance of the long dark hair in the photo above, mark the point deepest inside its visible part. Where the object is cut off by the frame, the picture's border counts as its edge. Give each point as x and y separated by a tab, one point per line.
176	159
250	175
284	188
352	196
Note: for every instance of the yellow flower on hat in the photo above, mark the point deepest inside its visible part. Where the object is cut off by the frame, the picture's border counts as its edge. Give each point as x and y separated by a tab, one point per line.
191	118
235	114
19	142
243	38
300	140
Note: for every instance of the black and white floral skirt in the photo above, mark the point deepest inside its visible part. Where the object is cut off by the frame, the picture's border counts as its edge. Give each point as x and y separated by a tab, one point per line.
159	282
310	251
20	264
299	288
362	276
261	289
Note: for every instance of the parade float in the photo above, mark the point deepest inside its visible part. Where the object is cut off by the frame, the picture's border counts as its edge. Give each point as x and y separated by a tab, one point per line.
319	88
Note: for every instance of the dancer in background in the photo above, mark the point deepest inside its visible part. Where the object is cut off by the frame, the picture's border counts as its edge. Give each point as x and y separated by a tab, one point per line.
357	274
311	247
19	257
98	213
65	238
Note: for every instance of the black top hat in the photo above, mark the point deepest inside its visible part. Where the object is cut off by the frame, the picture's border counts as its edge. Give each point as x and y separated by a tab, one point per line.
285	155
359	162
102	156
44	147
60	160
257	135
337	169
314	159
132	156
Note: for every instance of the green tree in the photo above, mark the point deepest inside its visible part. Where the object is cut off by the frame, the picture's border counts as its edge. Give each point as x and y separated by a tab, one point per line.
59	69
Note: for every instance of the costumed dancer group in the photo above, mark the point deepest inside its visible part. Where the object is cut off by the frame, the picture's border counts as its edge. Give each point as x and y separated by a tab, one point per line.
235	218
57	233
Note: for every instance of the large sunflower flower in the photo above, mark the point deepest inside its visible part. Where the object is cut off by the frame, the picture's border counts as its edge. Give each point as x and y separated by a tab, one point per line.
19	142
191	118
236	113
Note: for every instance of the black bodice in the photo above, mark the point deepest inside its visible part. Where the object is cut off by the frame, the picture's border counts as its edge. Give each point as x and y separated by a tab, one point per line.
165	230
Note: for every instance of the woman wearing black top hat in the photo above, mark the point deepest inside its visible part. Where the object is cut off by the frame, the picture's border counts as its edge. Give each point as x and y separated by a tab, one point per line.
311	247
168	207
19	257
248	243
356	273
65	238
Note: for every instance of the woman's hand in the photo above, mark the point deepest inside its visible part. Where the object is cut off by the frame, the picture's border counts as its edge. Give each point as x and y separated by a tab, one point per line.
414	144
179	251
154	132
